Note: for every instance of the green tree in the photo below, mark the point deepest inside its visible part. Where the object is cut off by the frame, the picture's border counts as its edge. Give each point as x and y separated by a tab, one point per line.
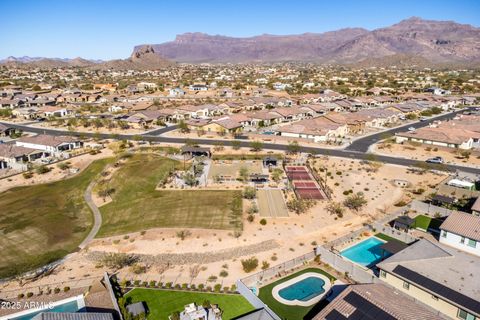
293	147
256	145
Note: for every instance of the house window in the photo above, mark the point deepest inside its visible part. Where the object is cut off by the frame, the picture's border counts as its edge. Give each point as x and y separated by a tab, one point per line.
462	314
444	233
406	285
472	243
462	240
383	274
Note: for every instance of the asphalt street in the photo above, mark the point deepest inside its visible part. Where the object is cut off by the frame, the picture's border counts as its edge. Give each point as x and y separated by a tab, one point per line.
357	150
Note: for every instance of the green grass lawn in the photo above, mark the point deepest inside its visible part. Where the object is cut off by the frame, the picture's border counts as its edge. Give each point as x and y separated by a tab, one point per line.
425	222
163	303
138	206
42	223
291	312
386	238
422	222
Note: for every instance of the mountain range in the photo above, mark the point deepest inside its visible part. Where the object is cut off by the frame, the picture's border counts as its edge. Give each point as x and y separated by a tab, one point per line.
429	41
411	42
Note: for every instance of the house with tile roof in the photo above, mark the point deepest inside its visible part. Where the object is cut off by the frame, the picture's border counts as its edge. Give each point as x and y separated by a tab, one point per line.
462	231
444	136
437	275
375	301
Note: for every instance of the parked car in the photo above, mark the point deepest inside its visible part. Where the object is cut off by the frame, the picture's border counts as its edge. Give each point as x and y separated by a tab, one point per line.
437	160
411	129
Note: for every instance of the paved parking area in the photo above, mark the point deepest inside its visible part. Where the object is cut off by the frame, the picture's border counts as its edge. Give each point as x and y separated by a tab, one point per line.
271	203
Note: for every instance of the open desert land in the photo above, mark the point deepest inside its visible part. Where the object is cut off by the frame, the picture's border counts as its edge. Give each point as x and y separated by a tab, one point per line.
44	222
422	152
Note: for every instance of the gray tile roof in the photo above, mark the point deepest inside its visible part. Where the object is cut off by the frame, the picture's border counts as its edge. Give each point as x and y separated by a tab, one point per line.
260	314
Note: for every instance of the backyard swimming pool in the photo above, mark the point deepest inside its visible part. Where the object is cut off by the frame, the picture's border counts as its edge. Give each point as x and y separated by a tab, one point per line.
366	253
304	290
67	305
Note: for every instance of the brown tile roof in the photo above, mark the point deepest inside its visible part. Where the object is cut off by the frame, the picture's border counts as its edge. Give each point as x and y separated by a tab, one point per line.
228	123
443	134
48	140
12	151
463	224
388	300
476	205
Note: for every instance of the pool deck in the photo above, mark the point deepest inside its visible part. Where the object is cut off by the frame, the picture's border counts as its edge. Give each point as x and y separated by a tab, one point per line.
314	300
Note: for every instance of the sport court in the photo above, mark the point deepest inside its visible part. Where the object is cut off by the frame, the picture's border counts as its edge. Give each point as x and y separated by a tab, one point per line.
303	184
271	203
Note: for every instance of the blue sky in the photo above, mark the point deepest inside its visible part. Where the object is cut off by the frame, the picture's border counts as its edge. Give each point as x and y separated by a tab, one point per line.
106	29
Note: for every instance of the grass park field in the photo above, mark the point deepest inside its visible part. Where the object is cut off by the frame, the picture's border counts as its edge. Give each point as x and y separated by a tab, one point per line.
42	223
163	303
137	205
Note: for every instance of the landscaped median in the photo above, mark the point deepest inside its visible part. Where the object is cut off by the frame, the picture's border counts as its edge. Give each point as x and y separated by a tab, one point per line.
163	303
288	311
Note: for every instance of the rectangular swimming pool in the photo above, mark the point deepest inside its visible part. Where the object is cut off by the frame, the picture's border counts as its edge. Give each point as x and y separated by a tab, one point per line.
366	253
67	305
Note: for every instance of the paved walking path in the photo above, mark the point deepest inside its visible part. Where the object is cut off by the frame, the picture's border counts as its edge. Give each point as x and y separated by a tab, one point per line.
97	216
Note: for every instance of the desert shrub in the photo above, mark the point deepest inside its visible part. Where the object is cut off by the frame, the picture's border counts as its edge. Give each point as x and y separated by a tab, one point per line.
66	289
249	193
28	175
250	218
249	264
29	294
223	273
118	260
42	169
265	265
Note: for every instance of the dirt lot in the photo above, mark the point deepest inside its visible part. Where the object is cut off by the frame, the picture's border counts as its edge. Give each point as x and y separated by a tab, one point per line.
423	152
228	168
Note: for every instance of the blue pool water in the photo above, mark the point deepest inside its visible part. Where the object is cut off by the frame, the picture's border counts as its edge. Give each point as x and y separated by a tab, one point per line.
303	290
71	306
366	253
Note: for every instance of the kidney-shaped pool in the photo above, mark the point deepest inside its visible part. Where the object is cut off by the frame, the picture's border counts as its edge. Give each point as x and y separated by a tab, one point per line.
304	290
